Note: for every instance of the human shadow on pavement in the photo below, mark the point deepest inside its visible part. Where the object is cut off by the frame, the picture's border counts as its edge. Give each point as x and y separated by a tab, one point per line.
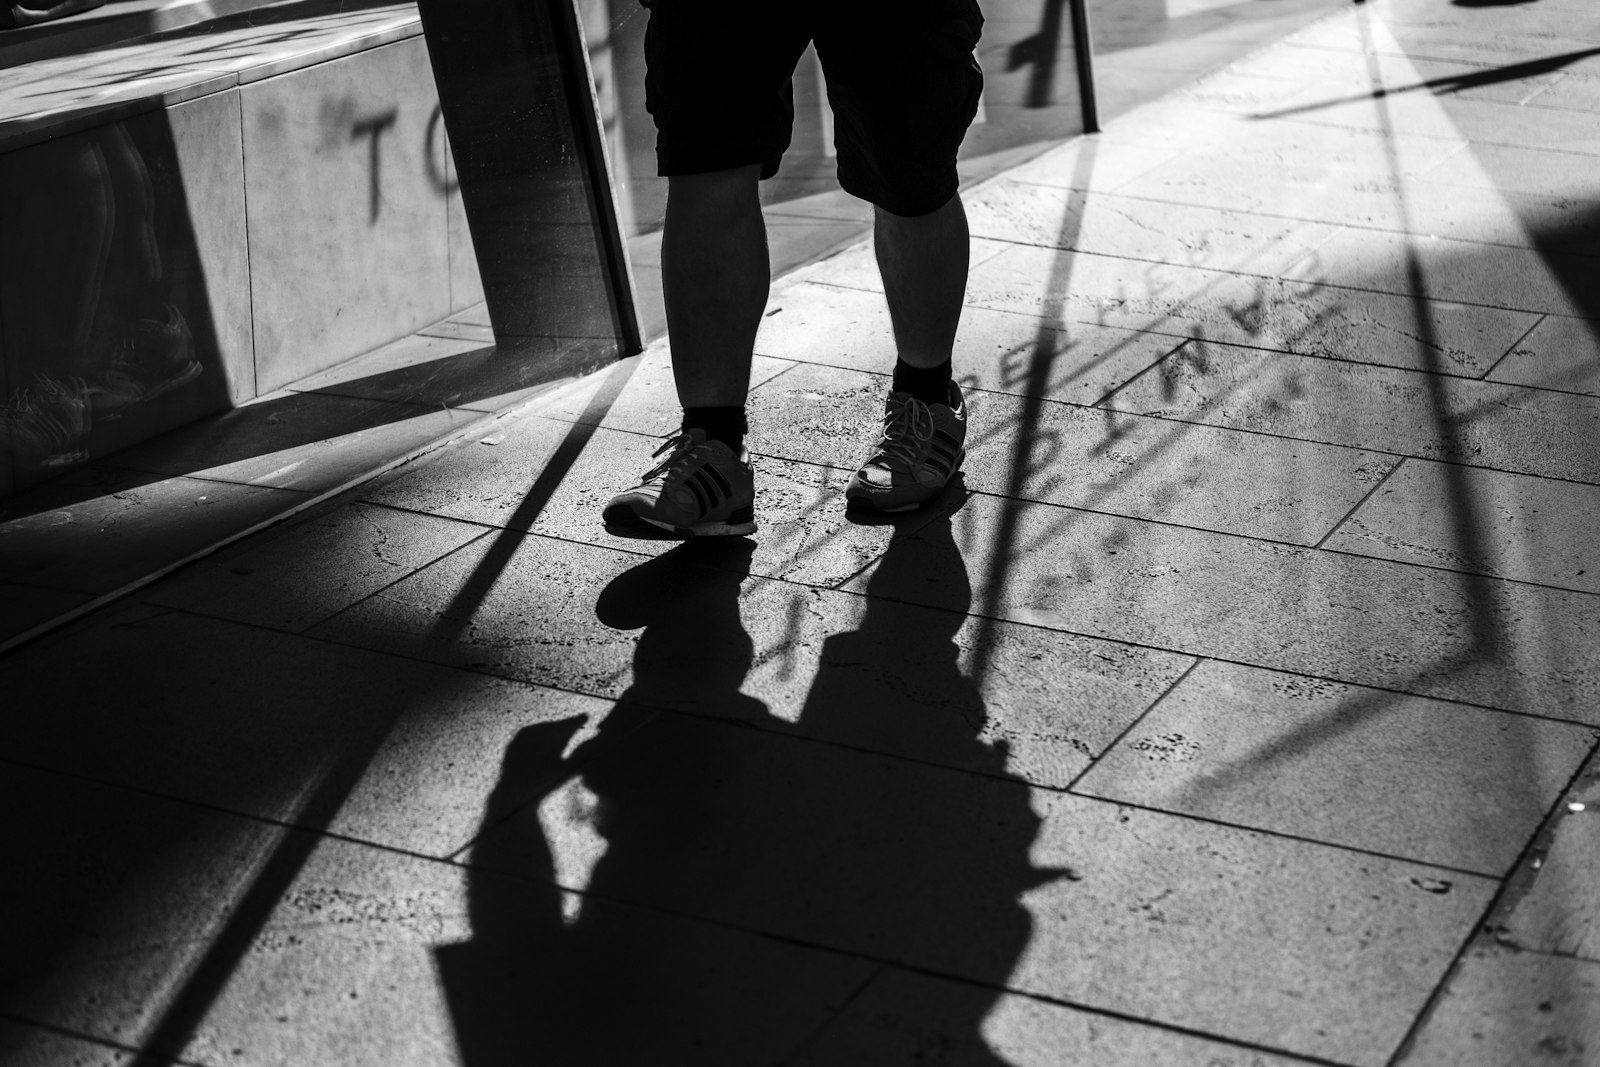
752	878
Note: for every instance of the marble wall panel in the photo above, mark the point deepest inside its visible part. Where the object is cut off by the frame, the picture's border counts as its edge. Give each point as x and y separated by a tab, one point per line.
210	151
347	209
122	312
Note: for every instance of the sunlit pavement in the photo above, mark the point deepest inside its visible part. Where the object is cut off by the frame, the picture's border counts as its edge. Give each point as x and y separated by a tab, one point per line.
1235	709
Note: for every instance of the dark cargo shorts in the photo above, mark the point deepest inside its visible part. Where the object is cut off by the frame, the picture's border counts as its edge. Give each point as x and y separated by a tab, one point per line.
901	76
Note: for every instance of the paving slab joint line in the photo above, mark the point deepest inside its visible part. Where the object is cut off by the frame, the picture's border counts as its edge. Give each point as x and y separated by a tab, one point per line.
827	1024
1513	887
1262	831
1540	321
1183	342
484	533
1115	741
1357	506
255	818
86	1038
1525	582
885	963
1171	650
1360	227
1367	448
310	501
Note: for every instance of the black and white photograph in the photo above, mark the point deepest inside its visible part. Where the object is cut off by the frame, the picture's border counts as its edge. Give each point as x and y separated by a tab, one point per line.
800	533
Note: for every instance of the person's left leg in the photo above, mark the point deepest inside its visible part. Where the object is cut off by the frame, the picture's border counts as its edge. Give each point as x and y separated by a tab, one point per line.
905	87
923	261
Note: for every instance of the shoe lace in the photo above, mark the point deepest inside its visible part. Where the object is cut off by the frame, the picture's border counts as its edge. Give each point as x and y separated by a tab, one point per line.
680	443
907	428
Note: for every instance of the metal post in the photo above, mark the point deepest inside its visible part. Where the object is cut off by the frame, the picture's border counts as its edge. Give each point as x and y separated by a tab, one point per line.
1083	45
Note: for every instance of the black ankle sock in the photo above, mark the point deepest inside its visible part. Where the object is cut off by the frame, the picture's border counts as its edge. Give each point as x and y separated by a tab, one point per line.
725	424
931	385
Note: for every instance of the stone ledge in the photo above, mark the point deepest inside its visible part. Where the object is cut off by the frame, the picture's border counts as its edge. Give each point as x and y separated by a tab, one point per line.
62	94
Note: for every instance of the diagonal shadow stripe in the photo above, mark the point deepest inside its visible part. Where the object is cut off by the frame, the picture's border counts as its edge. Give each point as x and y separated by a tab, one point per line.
1453	83
279	870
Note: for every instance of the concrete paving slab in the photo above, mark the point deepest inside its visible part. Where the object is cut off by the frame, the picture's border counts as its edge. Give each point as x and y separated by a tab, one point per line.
1374	197
378	958
925	866
926	683
308	442
1480	121
24	608
299	575
124	892
523	606
904	1017
450	372
1509	1007
98	529
1049	702
307	732
1364	72
1427	780
1166	471
1447	35
1090	163
820	414
1512	169
803	531
382	373
647	401
998	351
1208	136
1463	272
1559	914
1560	353
1140	229
1465	518
1578	90
1240	94
1302	314
1505	427
1364	621
857	268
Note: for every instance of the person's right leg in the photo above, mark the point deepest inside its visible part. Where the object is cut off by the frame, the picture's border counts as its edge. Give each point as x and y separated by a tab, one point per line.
715	276
717	86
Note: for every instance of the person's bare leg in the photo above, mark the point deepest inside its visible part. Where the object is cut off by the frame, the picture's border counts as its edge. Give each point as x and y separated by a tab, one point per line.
923	260
715	275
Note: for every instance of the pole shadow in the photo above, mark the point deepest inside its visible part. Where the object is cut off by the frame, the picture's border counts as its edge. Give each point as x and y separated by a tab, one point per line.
698	881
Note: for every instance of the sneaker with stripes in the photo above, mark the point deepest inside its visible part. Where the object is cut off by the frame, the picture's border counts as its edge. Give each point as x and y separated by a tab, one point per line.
700	490
921	448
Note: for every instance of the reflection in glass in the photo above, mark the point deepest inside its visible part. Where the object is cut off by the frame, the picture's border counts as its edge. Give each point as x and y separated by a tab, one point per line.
103	309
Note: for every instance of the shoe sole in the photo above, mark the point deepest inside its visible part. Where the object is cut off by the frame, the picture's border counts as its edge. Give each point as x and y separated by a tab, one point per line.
706	529
867	504
625	522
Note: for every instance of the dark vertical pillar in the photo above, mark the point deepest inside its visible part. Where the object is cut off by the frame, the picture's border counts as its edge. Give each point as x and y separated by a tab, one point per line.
1084	45
529	152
